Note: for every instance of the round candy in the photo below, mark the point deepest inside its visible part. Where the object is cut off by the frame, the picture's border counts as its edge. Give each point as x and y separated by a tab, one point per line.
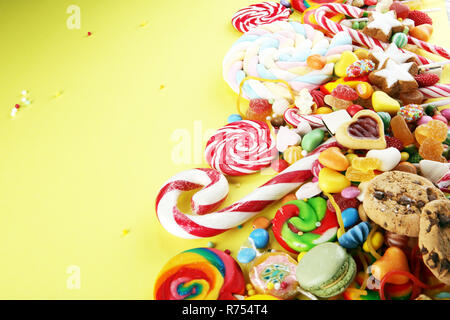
360	68
261	223
274	273
300	225
246	255
411	112
400	39
260	238
240	148
259	14
350	192
350	216
234	117
201	273
278	52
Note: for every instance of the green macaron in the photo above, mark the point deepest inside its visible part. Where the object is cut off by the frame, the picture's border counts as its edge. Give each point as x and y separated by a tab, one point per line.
326	270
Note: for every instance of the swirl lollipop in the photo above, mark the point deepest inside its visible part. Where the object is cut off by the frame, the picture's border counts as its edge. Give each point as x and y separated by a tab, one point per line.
241	147
200	274
259	14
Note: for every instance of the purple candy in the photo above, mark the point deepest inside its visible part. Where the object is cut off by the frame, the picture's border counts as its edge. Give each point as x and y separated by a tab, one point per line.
350	192
446	113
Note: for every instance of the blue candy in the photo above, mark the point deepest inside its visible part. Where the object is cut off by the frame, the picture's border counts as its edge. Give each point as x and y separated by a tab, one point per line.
355	236
260	238
246	255
234	117
350	217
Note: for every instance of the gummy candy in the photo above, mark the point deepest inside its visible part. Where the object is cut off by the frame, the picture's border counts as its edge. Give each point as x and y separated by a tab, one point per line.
259	109
435	129
431	149
366	164
401	131
394	142
364	90
353	174
336	103
344	92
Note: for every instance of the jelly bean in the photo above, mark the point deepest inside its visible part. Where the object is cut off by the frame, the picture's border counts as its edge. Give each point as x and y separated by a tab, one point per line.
260	238
350	192
424	120
401	131
354	109
350	217
393	259
434	129
316	61
422	32
377	242
246	255
364	90
334	159
446	113
259	109
234	117
312	139
355	236
331	181
386	118
404	156
261	223
389	158
382	102
293	154
347	58
324	110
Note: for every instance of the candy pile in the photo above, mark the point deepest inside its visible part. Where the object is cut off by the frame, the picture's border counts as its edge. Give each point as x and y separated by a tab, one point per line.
362	161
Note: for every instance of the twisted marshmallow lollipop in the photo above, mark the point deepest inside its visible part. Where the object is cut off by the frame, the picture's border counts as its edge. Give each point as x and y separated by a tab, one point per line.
279	51
200	273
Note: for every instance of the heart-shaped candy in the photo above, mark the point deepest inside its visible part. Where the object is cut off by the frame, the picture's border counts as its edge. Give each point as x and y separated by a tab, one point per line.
394	259
364	131
287	137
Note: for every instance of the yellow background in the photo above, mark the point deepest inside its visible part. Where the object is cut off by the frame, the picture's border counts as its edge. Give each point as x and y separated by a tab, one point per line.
83	163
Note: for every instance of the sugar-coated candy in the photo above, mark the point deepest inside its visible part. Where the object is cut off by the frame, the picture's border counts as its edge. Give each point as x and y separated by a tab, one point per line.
350	192
344	92
260	238
431	149
382	102
356	175
364	90
393	259
411	112
426	79
376	242
355	236
246	255
312	139
354	109
234	117
393	142
389	158
259	109
350	217
293	154
434	129
331	181
360	68
334	159
336	103
347	58
401	131
366	164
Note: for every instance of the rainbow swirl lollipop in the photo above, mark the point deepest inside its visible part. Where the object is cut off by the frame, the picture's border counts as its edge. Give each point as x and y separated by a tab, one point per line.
200	274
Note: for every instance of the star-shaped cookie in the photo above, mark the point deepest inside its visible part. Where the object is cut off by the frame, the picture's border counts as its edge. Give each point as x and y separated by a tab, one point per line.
394	78
380	56
381	26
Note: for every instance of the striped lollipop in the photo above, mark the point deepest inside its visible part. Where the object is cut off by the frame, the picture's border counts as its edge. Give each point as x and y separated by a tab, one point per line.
259	14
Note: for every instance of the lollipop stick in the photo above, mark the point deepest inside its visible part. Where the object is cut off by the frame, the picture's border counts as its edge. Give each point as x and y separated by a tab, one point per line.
434	65
437	103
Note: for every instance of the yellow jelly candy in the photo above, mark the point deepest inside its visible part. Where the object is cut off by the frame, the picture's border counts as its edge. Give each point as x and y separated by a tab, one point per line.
324	110
353	174
381	102
366	164
347	58
331	181
364	90
435	129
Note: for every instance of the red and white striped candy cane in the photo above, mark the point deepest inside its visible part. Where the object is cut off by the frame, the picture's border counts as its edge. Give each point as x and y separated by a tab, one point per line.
439	90
435	49
208	225
294	119
357	36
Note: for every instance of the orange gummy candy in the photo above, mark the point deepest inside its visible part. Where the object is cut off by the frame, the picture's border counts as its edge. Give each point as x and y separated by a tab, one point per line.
353	174
431	149
435	129
366	164
401	130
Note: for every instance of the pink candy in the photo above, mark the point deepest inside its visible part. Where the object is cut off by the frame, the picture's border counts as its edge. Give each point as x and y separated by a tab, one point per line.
350	192
424	119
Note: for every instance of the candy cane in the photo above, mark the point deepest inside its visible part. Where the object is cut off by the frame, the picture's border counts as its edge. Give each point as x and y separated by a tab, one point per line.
293	118
435	49
357	36
208	225
437	91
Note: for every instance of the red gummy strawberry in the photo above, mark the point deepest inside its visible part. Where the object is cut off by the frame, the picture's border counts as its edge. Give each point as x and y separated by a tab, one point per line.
318	97
426	79
344	92
419	17
394	143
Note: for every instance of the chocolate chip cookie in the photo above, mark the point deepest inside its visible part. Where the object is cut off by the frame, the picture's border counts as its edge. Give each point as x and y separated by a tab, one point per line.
395	199
434	238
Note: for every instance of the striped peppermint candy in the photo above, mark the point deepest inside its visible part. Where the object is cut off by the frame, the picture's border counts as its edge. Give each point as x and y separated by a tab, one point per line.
438	90
292	117
259	14
208	225
241	147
